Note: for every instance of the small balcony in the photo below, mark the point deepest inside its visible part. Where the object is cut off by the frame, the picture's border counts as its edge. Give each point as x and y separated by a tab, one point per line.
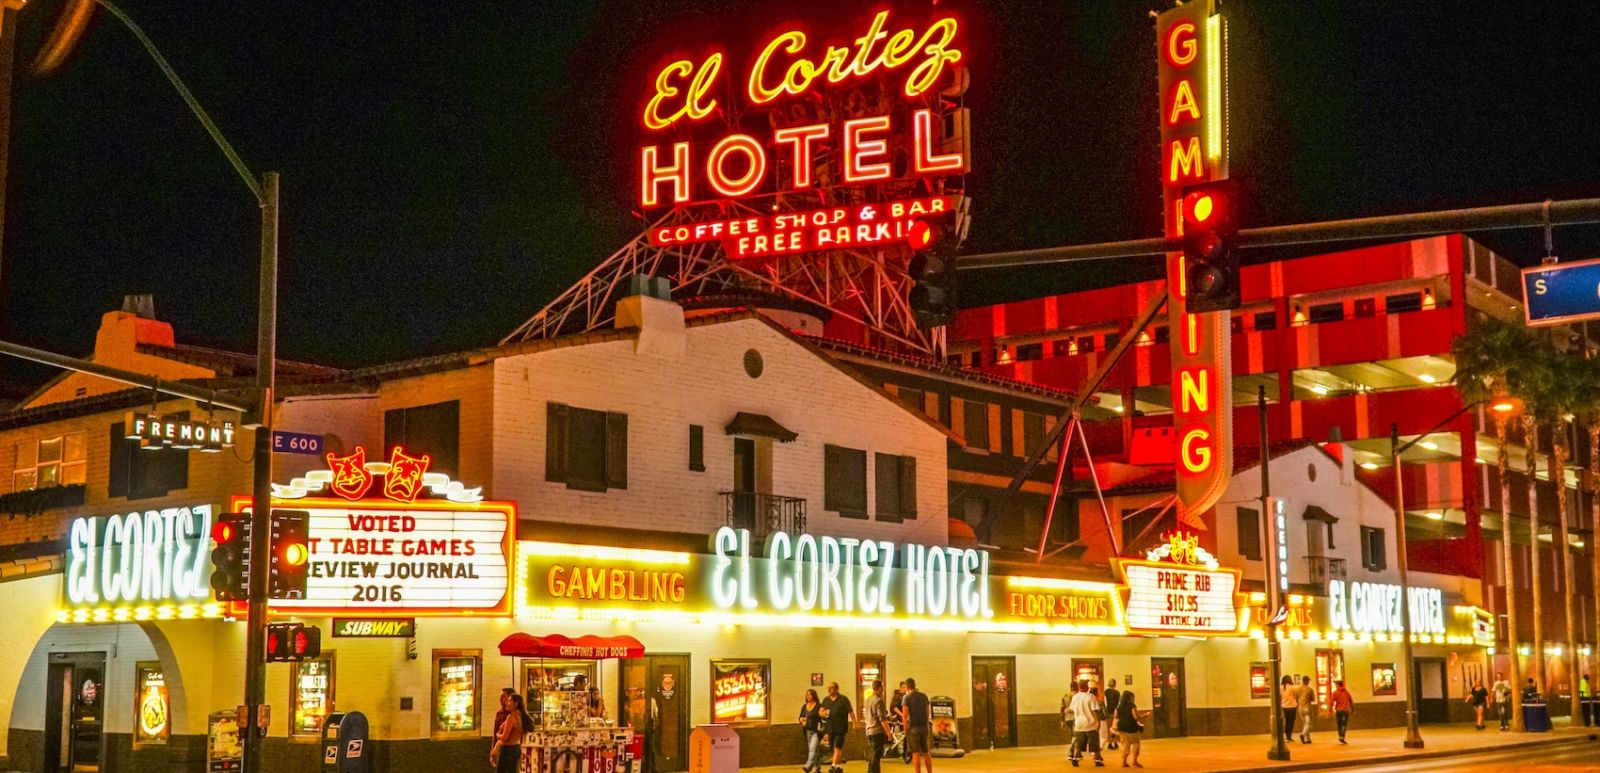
1322	569
764	514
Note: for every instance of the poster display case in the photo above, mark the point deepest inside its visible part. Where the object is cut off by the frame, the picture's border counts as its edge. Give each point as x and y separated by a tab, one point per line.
152	706
310	695
457	678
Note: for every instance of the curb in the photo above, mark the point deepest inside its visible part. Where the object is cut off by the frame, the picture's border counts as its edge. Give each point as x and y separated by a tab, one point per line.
1426	755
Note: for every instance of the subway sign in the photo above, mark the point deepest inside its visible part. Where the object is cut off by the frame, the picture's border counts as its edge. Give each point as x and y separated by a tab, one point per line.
805	580
150	564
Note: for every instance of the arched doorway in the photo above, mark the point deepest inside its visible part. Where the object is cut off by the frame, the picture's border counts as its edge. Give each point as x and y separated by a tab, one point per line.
96	697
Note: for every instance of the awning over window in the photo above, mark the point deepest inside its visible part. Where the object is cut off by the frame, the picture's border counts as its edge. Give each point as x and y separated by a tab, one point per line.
1314	513
523	645
760	425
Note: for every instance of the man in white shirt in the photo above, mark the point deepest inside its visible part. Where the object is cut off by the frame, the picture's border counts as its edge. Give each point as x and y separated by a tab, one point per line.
1086	713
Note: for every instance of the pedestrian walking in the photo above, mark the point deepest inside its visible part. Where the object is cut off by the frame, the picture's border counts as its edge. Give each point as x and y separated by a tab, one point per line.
506	753
915	714
1586	701
1306	703
1502	701
1129	728
1342	702
876	718
1478	699
1086	714
505	708
837	715
1291	712
811	729
896	717
1066	719
1108	730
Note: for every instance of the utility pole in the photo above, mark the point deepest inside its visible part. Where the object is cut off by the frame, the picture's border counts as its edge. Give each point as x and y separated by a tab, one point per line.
1279	750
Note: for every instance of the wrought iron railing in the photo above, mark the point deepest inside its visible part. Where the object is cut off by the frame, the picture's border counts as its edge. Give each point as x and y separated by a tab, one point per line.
1322	569
764	514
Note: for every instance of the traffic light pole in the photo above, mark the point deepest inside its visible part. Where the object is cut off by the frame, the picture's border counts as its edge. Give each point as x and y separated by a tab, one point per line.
1408	226
255	663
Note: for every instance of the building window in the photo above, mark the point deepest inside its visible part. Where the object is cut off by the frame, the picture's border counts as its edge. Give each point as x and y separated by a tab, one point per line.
587	450
741	691
1112	339
913	398
52	461
975	359
1402	302
1372	549
457	678
1061	348
697	448
310	694
1266	320
1249	529
844	486
434	430
1327	312
896	483
1163	334
1033	351
138	472
1086	344
1365	307
975	424
1032	432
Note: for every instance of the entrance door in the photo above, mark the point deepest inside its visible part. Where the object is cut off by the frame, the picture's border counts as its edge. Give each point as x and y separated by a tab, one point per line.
74	709
994	704
1433	699
744	483
654	693
1168	703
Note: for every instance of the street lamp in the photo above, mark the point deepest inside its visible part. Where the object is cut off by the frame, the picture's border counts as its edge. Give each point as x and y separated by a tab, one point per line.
1499	405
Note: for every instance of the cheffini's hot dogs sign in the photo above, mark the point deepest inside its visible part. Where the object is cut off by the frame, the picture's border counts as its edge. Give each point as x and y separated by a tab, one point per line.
866	104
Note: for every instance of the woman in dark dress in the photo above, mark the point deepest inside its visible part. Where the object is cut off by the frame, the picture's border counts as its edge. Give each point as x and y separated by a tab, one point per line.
1478	699
811	726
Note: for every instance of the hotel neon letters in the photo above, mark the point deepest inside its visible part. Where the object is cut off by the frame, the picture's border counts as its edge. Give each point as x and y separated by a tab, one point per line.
150	558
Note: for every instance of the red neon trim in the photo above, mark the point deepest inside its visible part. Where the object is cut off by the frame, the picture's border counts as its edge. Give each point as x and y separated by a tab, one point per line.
651	174
802	138
757	169
856	149
922	142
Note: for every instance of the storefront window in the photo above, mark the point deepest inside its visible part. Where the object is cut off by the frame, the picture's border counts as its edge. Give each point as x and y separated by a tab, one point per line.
1383	679
869	668
552	687
739	691
1260	681
456	678
1330	669
152	710
1091	670
311	694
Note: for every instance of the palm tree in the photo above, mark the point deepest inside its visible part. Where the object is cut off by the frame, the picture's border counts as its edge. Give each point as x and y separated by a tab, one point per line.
1535	380
1565	393
1583	376
1485	358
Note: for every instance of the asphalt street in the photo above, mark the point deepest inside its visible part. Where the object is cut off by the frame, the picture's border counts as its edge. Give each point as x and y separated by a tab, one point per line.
1583	756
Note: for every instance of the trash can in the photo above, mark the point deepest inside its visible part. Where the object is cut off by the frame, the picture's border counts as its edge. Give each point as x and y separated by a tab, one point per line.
344	743
1536	716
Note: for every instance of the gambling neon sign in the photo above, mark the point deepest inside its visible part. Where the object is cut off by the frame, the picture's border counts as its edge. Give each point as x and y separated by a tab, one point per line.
860	149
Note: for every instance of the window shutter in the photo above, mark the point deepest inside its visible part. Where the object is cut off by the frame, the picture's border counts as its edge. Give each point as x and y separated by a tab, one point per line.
996	416
958	419
117	483
555	443
617	450
886	477
1248	525
697	448
908	487
844	488
832	469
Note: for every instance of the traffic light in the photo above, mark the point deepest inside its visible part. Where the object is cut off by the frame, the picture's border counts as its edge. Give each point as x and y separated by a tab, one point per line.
291	554
230	558
289	642
1210	251
933	275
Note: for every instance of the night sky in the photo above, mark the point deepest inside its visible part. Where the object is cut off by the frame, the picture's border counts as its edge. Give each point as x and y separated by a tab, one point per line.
450	167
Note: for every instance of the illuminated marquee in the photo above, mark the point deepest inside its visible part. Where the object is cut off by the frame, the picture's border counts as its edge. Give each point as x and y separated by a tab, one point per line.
394	558
807	579
1194	149
855	144
864	225
154	564
1178	589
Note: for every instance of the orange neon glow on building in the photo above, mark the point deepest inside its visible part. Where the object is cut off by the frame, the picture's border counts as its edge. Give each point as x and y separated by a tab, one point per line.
1183	101
1185	163
403	481
652	174
755	165
1181	47
696	103
351	479
857	150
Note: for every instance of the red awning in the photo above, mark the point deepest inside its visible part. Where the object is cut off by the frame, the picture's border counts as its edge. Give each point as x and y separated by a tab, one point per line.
522	645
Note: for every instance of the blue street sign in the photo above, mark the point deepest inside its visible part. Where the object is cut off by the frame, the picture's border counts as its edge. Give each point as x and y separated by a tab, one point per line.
296	443
1562	292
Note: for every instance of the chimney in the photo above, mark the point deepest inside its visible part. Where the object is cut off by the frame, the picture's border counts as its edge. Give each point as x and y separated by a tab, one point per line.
649	308
141	305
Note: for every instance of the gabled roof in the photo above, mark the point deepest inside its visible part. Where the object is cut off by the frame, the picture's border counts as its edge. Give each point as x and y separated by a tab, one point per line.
227	363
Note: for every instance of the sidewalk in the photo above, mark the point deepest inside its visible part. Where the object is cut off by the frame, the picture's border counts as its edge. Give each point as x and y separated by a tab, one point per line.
1246	752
